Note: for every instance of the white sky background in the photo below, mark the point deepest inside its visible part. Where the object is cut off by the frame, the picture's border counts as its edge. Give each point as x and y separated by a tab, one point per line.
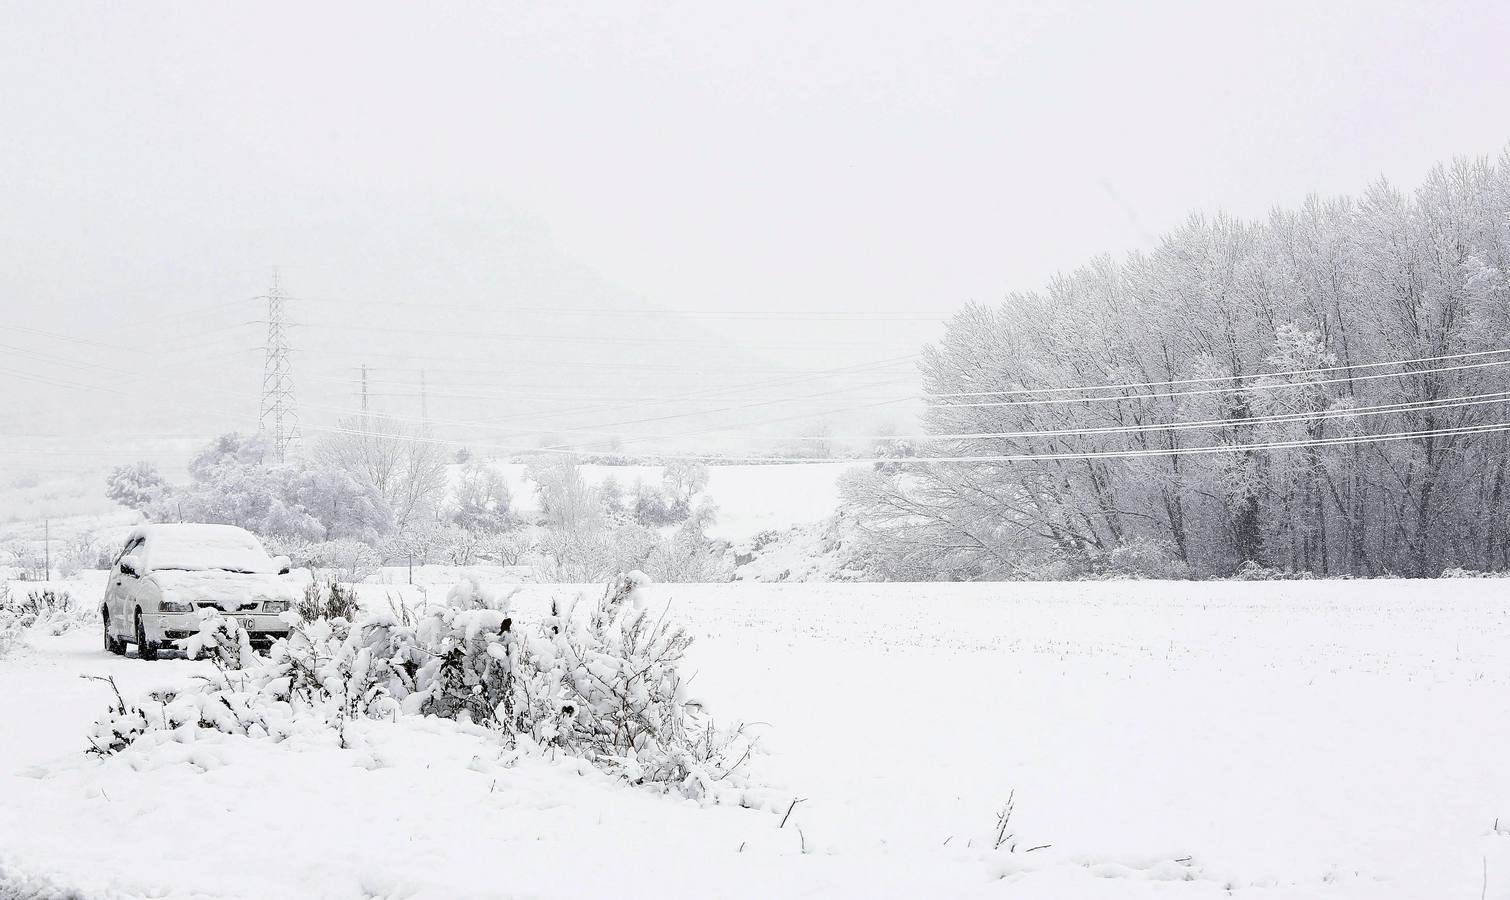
713	157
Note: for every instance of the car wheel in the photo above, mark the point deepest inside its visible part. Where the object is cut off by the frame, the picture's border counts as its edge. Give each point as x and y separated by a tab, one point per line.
144	650
112	645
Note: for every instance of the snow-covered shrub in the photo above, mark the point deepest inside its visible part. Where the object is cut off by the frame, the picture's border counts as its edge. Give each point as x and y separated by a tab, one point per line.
611	669
220	638
1252	570
652	508
38	604
79	554
470	674
598	679
26	559
1144	558
46	610
1458	572
327	600
321	668
764	539
118	728
469	593
49	611
687	555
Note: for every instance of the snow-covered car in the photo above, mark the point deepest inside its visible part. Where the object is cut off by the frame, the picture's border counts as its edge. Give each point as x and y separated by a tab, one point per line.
165	574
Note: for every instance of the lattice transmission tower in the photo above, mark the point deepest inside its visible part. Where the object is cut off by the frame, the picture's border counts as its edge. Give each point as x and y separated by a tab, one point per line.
279	417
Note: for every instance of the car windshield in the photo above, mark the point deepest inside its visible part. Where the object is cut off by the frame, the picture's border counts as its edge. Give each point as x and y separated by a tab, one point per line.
206	547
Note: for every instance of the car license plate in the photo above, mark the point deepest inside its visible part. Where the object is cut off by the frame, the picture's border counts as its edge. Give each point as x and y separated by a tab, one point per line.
248	623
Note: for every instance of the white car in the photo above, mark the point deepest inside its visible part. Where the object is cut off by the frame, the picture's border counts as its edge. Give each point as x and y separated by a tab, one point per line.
165	574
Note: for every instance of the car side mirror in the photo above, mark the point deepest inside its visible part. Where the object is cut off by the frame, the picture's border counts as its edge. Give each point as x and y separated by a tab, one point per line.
130	565
284	564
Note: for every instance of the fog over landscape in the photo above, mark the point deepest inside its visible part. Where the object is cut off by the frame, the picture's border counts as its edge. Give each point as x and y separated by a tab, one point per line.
748	196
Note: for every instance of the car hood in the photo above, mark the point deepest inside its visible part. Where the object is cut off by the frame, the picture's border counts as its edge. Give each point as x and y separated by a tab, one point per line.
227	590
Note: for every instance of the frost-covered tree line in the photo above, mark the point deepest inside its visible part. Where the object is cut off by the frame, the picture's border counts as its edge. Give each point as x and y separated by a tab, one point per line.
378	495
1347	282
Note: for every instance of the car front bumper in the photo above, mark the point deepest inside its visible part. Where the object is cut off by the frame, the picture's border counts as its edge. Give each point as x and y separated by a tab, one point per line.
165	628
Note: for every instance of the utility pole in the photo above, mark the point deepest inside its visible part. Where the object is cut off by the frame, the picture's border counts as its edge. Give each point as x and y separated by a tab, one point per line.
46	550
278	413
364	397
424	402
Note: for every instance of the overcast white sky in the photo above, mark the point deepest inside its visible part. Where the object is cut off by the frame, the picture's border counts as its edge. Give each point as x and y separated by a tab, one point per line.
705	156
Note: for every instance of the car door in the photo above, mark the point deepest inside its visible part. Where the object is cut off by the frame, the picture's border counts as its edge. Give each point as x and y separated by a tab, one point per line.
118	591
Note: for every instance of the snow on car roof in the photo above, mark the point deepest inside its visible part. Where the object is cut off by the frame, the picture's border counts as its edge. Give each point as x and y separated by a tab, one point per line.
202	547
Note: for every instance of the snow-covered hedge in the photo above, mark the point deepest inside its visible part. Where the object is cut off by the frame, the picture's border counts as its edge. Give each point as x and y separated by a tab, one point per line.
596	679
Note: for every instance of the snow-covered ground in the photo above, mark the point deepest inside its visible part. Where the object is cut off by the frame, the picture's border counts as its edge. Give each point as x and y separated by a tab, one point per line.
1280	740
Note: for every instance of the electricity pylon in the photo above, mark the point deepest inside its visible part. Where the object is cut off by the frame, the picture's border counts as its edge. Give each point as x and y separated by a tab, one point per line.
279	417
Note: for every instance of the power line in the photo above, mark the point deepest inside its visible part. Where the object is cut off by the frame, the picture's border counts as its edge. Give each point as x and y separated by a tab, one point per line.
75	339
1219	448
58	382
1259	386
981	458
192	312
1262	386
1211	378
1409	406
1054	401
1278	418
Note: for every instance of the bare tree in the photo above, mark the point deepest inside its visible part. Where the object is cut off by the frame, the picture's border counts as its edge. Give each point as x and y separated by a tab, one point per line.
407	468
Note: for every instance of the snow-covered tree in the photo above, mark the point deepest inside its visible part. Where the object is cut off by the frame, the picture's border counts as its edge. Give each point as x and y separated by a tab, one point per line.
1204	328
403	464
480	499
235	483
684	480
137	486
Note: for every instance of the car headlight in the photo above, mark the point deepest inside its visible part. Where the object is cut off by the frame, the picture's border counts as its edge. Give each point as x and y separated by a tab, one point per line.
275	606
175	606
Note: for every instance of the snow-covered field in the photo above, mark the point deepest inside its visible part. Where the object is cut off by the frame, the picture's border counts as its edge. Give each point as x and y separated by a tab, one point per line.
1282	740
